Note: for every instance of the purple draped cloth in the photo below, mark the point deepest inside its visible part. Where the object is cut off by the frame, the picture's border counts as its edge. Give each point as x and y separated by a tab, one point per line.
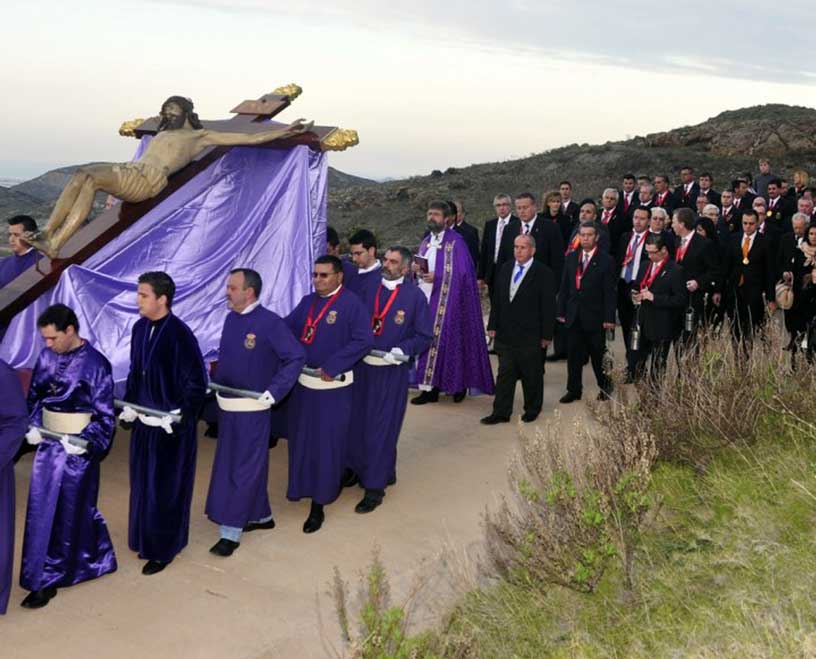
13	425
380	392
259	353
258	208
12	266
318	419
457	359
166	373
66	539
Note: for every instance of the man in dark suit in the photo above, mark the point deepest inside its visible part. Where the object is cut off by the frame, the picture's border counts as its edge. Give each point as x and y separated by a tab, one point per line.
730	215
789	261
586	307
549	243
663	197
711	195
662	296
616	223
645	197
490	255
568	207
742	195
779	210
750	278
686	193
632	259
700	264
469	232
766	227
658	223
522	319
628	199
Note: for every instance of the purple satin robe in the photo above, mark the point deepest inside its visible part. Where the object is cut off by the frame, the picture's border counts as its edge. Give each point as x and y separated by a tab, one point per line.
66	539
166	373
13	426
257	352
380	392
12	266
457	359
319	420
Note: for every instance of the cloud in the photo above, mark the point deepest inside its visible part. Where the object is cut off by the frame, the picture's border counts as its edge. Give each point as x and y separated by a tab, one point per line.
742	40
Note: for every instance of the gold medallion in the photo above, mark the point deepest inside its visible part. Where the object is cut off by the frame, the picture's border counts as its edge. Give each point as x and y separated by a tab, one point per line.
745	261
399	317
331	319
769	214
249	341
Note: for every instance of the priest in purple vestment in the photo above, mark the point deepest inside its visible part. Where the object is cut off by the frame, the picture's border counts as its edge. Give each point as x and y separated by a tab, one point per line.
259	353
66	539
334	328
363	247
401	326
13	426
167	374
457	359
23	256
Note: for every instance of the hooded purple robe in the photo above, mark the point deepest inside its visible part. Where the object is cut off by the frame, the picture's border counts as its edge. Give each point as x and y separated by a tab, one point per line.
66	539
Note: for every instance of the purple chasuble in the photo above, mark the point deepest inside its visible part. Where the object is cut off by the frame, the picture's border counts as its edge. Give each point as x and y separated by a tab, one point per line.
12	266
319	418
257	352
66	539
457	359
166	373
380	392
13	426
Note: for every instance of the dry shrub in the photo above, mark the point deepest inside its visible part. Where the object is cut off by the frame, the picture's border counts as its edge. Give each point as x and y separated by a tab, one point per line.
579	501
717	392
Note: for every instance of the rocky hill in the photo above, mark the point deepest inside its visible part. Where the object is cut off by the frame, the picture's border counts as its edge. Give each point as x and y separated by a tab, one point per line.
727	144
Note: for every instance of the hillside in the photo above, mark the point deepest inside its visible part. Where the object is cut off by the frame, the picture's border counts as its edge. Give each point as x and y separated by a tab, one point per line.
726	144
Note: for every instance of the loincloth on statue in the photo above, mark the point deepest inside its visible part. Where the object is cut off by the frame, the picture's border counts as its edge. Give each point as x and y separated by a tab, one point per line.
138	181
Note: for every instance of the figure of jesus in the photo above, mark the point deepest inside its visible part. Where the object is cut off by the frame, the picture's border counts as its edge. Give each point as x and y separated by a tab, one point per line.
179	139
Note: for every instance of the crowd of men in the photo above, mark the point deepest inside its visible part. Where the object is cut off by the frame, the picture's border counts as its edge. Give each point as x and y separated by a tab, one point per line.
665	264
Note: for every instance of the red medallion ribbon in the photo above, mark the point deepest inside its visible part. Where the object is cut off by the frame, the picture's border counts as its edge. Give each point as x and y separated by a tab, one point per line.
310	328
378	319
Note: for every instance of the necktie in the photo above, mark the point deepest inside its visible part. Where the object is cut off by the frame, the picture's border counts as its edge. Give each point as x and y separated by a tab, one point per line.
499	232
605	218
629	273
518	274
584	262
526	228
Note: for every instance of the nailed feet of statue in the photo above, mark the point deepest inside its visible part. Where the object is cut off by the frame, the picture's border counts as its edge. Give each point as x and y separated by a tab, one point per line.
37	599
224	547
154	567
39	241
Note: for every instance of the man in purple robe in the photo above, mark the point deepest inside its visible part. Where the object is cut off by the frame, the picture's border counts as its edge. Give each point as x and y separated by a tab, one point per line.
333	249
363	246
66	539
457	359
166	374
13	426
334	328
401	325
23	255
259	353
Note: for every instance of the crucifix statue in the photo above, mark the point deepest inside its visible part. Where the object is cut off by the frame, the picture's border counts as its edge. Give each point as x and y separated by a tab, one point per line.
180	138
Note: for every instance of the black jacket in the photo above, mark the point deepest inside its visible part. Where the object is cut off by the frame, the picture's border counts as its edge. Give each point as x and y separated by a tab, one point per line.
687	200
701	263
549	243
595	303
670	203
661	319
617	225
530	317
486	268
471	235
759	274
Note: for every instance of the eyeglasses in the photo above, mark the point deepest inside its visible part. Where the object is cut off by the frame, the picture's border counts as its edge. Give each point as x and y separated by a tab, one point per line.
322	275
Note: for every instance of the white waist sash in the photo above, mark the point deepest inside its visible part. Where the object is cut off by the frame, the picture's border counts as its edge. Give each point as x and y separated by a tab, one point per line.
311	382
241	404
371	360
67	423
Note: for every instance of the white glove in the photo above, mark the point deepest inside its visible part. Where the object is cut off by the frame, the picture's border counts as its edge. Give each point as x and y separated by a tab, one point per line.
128	414
266	398
391	356
33	436
164	422
70	449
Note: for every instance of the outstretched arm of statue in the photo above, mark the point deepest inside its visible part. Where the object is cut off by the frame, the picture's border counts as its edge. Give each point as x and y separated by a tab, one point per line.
214	138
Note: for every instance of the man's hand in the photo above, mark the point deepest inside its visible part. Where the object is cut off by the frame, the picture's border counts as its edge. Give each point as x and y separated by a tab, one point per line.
415	268
491	334
128	414
70	449
813	276
266	398
545	342
325	376
428	278
33	436
771	307
646	295
716	299
787	277
609	326
692	285
297	127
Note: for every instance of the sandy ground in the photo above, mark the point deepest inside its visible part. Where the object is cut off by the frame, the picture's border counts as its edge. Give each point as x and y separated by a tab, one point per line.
269	598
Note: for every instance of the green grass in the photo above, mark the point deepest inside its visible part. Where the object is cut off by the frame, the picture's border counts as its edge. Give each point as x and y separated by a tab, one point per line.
726	567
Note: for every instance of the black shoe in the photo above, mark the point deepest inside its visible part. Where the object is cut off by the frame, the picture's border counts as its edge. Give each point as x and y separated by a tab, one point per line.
224	547
367	505
603	394
459	396
259	526
426	397
314	522
154	567
37	599
529	418
493	419
212	430
350	479
569	397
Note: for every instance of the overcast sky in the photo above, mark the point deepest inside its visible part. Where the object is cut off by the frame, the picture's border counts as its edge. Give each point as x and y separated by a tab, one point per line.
427	84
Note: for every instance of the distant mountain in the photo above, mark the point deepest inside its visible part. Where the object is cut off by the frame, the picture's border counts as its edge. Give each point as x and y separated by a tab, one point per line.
338	180
725	145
